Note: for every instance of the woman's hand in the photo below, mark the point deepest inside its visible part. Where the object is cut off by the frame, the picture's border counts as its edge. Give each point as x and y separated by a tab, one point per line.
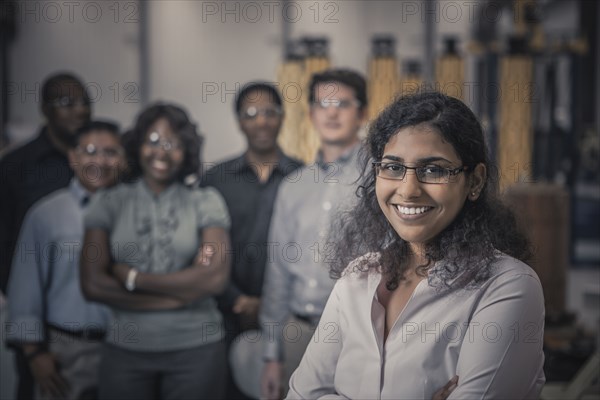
45	372
444	392
204	255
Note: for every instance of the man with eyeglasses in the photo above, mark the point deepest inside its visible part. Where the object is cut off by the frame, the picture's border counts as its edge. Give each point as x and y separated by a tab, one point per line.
297	283
57	330
36	169
41	166
249	183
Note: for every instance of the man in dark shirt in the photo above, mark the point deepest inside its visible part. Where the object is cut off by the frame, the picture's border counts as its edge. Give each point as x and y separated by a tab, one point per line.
36	169
40	167
249	185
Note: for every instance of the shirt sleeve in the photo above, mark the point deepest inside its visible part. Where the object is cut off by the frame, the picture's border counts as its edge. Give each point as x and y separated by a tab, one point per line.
211	209
275	304
501	356
314	377
101	211
26	284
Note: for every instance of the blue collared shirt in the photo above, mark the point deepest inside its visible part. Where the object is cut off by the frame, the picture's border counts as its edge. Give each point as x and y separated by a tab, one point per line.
44	283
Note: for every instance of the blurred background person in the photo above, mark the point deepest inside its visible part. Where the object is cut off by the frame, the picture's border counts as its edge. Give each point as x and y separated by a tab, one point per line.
296	288
57	329
40	166
249	183
36	169
146	263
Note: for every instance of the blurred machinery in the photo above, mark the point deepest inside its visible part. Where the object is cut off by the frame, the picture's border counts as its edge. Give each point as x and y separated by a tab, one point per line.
411	79
304	58
383	74
450	70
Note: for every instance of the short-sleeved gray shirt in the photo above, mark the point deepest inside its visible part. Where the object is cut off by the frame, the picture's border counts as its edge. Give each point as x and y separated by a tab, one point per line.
159	234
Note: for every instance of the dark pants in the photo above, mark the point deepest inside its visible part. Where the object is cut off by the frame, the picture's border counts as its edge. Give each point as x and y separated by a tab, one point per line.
233	327
197	373
25	382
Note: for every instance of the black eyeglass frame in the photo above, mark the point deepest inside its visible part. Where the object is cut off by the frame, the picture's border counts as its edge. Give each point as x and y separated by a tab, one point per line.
451	172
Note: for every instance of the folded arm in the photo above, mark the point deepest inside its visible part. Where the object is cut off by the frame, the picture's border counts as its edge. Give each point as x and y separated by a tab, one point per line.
99	285
501	355
207	276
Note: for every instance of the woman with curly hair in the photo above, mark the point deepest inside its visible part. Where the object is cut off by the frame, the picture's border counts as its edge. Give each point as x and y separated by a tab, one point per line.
154	251
433	298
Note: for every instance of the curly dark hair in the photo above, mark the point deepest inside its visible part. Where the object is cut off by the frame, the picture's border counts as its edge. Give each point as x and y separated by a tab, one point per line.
181	125
469	245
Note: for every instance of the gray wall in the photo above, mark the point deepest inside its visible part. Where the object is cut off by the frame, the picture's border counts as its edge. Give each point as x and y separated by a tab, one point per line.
96	39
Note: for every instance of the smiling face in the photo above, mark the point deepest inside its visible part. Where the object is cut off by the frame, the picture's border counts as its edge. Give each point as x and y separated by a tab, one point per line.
98	160
260	120
161	155
417	211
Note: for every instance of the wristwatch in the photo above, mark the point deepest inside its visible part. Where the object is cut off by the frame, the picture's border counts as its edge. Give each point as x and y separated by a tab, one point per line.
130	280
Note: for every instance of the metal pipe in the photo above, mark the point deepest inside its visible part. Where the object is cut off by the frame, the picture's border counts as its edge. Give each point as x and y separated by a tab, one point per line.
430	33
144	60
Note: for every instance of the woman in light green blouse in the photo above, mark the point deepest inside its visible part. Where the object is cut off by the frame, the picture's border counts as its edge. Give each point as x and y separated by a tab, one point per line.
155	251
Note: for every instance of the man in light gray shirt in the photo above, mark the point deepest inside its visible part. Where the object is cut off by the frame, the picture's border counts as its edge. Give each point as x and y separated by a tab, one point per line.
297	282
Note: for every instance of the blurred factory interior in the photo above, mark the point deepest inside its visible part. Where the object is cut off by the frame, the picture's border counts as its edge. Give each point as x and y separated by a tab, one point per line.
528	68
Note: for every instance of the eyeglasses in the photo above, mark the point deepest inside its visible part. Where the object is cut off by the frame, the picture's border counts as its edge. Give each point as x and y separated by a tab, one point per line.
425	173
110	153
335	103
252	112
155	142
69	102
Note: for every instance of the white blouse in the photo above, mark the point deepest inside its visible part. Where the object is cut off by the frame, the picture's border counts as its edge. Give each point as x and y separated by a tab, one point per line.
490	336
